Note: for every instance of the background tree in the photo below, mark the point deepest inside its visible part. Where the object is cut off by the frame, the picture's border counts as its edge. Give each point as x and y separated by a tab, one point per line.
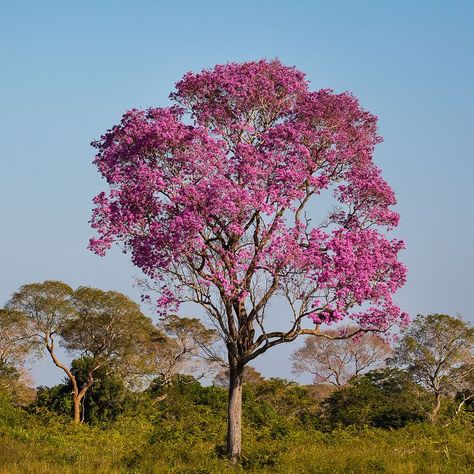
16	384
210	196
433	349
461	388
15	347
251	376
104	326
383	398
109	330
107	398
44	308
185	347
336	361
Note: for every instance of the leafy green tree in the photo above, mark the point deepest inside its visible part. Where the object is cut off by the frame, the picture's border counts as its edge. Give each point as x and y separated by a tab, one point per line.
434	349
44	308
384	398
56	399
15	348
106	399
106	327
280	403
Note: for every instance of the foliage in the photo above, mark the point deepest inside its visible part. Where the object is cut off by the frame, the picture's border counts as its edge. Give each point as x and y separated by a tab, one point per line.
43	309
107	398
216	206
179	435
15	383
385	398
56	399
438	350
185	347
14	346
105	327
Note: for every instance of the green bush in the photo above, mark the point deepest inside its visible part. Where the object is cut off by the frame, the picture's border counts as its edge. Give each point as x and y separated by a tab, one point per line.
106	399
385	398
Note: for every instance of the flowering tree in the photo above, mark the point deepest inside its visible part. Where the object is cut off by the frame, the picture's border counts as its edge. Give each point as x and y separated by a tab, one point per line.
210	198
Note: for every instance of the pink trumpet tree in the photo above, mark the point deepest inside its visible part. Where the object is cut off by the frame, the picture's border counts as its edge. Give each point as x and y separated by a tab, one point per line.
210	197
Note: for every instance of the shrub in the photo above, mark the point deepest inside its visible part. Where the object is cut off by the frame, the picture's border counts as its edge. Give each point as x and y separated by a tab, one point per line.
384	398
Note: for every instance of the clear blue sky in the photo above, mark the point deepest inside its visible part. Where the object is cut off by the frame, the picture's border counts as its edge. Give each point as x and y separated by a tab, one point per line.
69	69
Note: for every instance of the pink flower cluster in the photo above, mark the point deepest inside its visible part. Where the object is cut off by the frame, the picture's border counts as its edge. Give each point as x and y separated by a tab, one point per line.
212	192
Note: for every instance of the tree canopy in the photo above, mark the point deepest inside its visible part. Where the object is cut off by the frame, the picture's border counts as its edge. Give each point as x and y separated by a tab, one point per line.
437	350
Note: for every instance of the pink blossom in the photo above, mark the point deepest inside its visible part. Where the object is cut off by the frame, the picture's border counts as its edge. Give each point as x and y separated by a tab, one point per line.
211	193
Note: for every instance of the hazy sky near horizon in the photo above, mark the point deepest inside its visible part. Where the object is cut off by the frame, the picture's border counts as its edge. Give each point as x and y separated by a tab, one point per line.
70	69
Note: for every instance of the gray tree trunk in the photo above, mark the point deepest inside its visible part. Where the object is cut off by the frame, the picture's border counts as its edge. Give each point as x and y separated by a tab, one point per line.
436	408
234	414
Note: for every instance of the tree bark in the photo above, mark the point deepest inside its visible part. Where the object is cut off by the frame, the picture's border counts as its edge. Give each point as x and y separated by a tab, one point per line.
75	394
78	395
437	406
77	408
234	414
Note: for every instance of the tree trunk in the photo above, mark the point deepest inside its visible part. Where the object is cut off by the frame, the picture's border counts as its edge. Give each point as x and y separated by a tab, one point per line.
77	408
78	395
435	411
234	414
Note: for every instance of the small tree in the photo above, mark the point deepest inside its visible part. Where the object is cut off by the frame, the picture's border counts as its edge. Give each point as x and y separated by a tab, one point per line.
336	361
44	308
109	330
461	388
104	326
433	349
107	398
14	345
384	398
184	347
210	197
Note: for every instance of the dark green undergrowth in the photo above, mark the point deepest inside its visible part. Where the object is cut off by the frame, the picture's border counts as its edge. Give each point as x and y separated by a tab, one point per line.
185	433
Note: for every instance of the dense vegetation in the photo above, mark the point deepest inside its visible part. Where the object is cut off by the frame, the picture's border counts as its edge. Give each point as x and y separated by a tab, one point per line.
377	423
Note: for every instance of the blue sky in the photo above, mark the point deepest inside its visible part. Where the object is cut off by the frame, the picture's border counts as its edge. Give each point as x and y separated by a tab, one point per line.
69	70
